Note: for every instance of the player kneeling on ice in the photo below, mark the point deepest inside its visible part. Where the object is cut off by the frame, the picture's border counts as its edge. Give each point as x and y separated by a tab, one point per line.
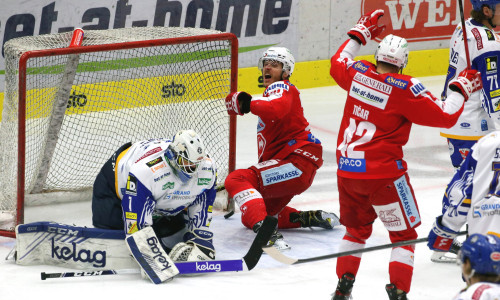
289	154
479	258
160	192
372	175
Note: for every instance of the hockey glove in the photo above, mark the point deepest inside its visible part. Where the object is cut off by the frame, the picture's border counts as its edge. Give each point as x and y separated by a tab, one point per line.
440	237
467	82
198	247
367	27
238	103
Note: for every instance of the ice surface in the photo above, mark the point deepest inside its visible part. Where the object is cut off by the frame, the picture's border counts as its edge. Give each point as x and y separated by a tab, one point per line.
429	169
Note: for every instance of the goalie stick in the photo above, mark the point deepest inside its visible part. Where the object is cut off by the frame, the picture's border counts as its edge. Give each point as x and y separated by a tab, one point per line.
247	263
277	255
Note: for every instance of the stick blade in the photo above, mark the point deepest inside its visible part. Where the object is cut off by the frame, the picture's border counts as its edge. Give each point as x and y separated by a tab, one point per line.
277	255
261	239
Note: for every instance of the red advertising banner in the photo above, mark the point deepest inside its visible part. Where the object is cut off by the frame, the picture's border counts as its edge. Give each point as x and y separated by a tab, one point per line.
419	20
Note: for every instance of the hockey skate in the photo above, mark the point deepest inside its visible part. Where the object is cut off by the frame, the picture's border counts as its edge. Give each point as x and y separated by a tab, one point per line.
315	218
447	257
276	240
344	287
392	291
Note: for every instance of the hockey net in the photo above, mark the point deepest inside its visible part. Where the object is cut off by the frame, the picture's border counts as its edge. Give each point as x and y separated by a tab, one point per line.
67	109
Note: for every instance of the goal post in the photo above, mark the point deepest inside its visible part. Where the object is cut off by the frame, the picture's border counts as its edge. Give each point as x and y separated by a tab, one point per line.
67	108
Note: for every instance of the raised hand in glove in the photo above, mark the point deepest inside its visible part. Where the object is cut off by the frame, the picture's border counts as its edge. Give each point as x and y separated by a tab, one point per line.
440	237
367	27
238	103
467	82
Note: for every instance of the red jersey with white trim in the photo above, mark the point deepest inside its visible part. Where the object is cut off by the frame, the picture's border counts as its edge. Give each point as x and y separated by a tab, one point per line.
378	115
282	126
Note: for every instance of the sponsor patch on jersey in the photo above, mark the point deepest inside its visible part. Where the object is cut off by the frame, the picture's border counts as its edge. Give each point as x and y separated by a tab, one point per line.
360	67
204	181
418	89
150	152
368	95
131	188
491	64
277	89
465	125
463	152
131	226
131	215
373	83
357	165
490	35
477	36
399	83
161	177
266	163
168	186
245	196
392	216
280	174
153	162
408	202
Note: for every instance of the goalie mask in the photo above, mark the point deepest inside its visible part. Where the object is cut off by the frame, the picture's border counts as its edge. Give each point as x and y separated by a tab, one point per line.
483	252
393	50
279	54
185	153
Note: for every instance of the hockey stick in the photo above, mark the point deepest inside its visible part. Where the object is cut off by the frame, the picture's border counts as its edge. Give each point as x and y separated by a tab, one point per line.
247	263
277	255
464	32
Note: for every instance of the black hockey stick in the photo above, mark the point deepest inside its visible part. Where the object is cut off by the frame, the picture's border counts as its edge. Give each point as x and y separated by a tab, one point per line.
464	32
277	255
248	262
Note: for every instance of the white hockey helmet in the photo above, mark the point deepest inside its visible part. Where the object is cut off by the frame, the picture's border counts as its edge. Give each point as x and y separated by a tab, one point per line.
186	152
280	54
393	50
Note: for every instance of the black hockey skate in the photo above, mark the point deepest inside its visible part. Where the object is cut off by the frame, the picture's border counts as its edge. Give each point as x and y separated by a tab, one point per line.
392	291
315	218
344	287
276	240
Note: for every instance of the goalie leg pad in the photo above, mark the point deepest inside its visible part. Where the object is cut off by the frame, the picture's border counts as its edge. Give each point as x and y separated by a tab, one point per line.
149	254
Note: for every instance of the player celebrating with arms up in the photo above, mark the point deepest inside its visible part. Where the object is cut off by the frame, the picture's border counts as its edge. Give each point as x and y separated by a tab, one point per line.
372	175
161	193
289	154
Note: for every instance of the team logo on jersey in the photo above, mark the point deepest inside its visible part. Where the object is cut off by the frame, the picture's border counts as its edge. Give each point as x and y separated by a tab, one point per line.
491	64
260	125
399	83
131	188
464	152
490	35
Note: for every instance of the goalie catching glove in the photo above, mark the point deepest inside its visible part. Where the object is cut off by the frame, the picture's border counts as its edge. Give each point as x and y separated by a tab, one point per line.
441	237
238	103
198	246
467	82
367	27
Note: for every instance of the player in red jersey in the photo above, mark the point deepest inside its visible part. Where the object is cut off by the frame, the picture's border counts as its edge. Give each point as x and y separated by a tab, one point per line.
289	154
372	175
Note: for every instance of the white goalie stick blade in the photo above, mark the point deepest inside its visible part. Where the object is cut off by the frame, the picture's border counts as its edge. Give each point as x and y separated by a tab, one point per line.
277	255
247	263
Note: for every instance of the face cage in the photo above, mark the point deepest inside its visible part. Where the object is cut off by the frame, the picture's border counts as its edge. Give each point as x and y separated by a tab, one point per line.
186	165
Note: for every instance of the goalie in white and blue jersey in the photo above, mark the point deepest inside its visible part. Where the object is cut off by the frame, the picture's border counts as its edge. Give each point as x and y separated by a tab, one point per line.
166	185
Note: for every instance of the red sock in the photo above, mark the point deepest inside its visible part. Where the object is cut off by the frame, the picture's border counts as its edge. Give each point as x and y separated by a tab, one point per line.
284	218
253	212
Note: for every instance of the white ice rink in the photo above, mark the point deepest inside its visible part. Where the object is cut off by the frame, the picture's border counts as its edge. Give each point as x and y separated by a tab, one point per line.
429	169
